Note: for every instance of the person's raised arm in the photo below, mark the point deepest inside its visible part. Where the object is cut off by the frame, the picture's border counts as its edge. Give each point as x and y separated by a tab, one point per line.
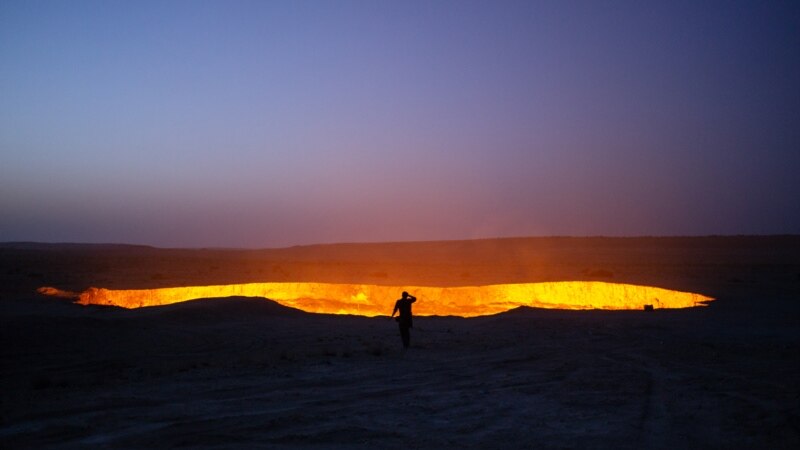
412	298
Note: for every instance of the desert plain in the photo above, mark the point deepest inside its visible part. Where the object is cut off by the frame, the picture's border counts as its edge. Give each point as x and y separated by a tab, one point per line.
248	372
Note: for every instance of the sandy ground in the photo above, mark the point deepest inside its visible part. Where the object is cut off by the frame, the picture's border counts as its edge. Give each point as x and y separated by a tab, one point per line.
244	372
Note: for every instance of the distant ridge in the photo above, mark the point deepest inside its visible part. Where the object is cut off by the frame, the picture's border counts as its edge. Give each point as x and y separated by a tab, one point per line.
538	238
24	245
302	248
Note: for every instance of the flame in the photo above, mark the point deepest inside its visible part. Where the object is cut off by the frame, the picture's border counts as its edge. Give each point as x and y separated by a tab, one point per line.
373	300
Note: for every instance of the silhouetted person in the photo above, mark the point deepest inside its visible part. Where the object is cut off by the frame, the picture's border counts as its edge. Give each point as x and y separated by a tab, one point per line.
405	319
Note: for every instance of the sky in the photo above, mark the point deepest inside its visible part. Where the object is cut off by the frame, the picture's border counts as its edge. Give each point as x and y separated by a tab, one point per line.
270	124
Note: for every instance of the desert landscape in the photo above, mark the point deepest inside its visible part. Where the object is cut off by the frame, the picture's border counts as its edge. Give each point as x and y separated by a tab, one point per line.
217	217
248	372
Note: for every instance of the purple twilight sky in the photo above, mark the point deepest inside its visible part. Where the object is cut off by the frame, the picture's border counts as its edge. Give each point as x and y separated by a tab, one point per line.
266	123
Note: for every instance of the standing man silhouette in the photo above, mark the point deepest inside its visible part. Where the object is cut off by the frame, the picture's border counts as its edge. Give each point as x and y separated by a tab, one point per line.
405	319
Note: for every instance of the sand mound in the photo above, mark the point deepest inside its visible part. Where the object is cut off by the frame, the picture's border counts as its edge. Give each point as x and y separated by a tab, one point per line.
219	309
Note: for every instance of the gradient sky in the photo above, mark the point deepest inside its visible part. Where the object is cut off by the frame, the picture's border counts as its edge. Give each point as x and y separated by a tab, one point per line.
266	123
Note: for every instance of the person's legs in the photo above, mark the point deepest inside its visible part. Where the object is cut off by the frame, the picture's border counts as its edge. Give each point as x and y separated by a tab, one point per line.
405	335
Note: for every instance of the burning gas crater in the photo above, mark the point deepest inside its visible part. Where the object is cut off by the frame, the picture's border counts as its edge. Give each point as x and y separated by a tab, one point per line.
373	300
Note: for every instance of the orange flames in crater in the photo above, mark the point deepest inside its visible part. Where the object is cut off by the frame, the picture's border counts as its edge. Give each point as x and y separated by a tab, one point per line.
373	300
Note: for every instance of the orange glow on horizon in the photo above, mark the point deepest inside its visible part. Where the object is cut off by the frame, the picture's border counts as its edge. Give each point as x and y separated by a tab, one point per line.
374	300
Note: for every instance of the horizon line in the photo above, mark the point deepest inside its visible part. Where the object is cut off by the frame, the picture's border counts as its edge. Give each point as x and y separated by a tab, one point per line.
428	241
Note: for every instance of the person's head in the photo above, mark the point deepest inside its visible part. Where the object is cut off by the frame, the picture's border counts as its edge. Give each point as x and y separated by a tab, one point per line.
405	295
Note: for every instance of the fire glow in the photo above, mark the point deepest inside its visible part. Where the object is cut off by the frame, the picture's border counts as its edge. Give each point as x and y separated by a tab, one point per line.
374	300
